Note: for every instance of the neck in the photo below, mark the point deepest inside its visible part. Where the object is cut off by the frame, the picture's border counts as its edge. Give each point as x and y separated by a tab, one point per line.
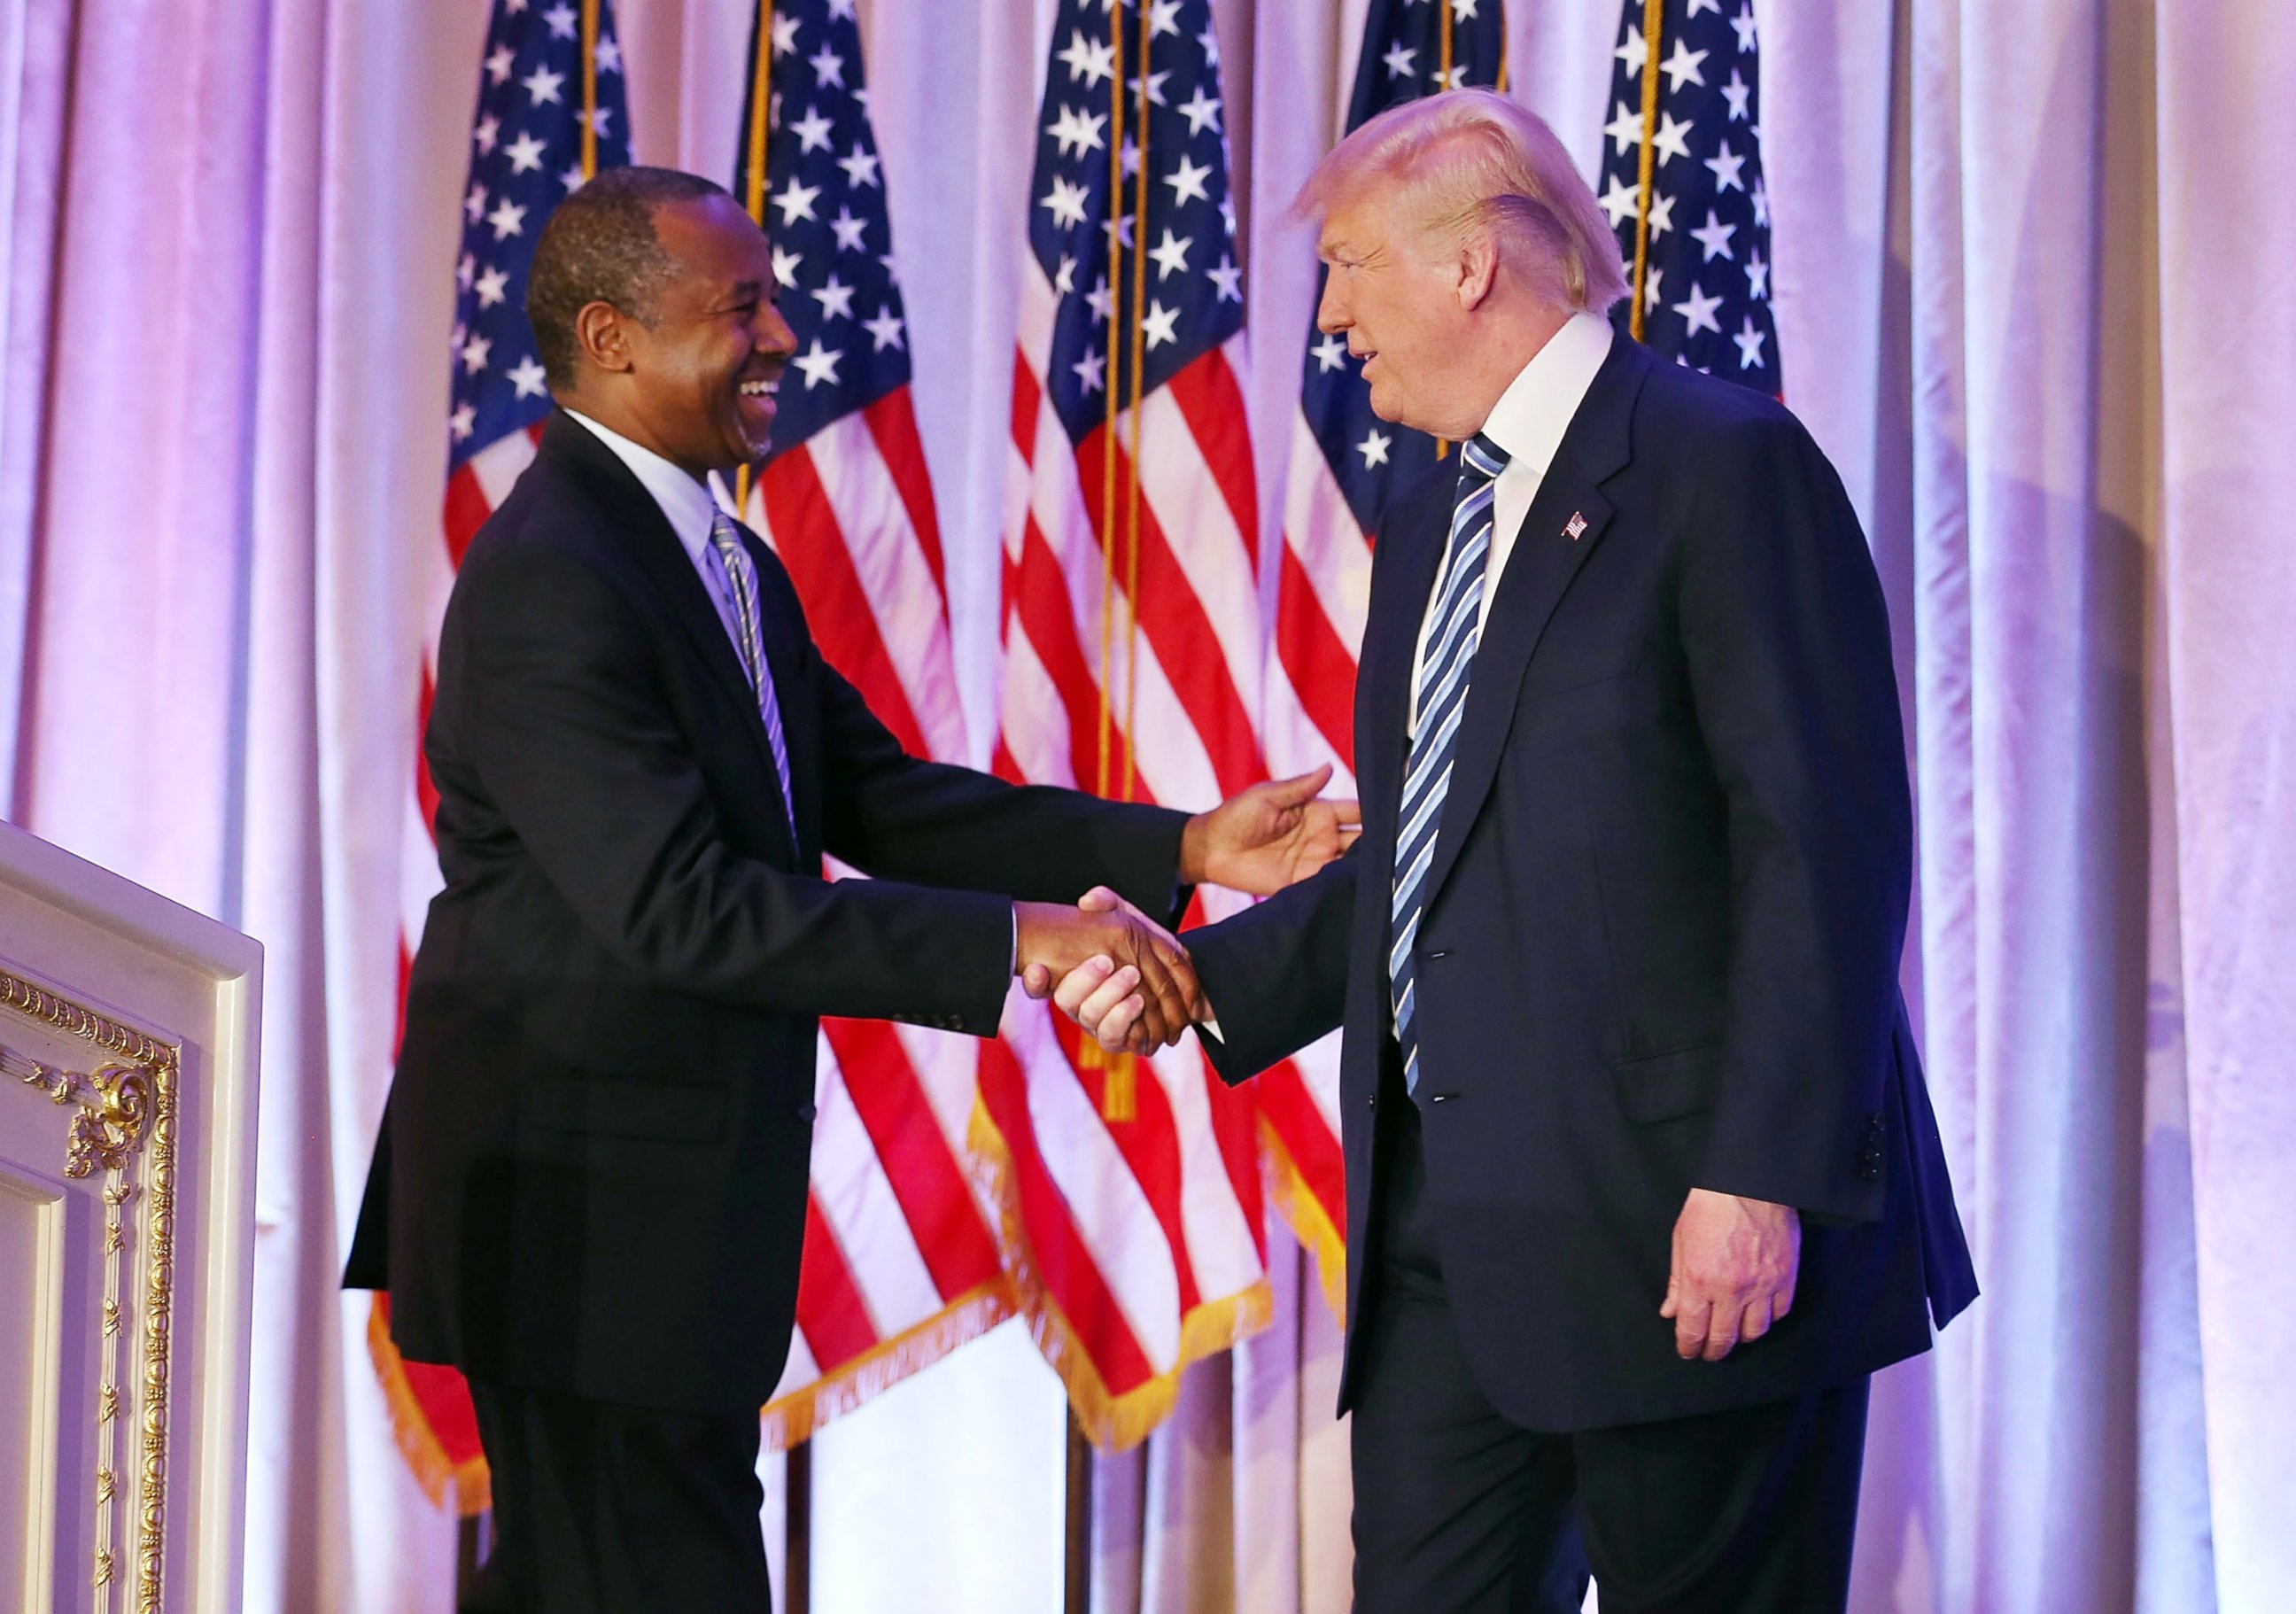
1493	360
617	417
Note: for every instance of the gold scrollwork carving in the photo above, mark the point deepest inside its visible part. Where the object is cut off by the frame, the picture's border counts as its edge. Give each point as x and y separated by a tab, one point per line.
127	1119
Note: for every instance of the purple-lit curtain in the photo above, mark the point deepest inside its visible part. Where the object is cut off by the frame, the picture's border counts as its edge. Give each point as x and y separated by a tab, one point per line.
2035	265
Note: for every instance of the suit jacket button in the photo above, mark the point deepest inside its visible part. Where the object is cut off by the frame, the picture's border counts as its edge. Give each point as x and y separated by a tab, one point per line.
1372	1102
805	1112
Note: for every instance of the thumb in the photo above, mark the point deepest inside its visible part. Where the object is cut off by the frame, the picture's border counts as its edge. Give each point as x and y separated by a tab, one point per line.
1673	1304
1300	788
1100	900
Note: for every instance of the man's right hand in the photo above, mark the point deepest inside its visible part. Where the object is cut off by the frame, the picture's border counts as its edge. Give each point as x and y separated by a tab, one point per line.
1110	942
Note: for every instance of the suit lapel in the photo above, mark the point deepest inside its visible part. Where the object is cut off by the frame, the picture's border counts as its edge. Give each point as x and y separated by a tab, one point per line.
646	536
1566	520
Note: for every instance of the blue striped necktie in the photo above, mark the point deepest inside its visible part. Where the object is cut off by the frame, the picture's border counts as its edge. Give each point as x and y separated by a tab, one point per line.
1453	632
741	577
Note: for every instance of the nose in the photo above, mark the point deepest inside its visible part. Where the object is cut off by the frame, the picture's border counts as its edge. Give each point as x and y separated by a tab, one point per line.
1332	314
773	332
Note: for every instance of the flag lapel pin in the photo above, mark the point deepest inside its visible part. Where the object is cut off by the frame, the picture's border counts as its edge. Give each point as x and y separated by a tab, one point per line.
1575	528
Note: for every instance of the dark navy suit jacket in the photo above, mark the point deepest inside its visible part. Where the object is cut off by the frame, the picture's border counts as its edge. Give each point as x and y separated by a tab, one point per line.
592	1172
1664	916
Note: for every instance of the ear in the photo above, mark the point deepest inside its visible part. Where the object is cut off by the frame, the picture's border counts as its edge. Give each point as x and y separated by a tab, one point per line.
603	332
1479	270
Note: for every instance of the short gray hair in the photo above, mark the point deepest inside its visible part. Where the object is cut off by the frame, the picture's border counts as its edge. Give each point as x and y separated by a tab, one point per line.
1472	160
600	247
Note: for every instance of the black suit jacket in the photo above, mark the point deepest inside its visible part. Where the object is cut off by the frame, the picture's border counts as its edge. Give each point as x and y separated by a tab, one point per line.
592	1173
1662	921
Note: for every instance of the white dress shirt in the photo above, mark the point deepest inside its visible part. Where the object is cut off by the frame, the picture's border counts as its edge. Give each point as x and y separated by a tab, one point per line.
1528	423
689	507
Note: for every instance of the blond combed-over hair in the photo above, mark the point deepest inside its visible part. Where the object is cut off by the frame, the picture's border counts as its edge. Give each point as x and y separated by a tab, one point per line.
1472	162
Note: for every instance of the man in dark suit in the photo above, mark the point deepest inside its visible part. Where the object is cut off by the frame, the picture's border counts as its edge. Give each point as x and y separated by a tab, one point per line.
1642	1179
590	1188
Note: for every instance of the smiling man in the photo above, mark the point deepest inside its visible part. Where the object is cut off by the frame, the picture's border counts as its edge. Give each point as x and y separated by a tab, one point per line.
1642	1181
590	1189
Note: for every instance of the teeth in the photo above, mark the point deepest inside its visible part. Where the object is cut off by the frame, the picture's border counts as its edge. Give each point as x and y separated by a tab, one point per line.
760	388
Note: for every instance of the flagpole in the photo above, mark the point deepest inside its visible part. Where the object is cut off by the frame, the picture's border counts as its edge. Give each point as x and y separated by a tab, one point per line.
761	105
590	88
1653	16
1077	1595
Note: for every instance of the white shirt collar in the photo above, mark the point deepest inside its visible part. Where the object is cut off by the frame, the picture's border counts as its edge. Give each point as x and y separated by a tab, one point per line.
685	502
1535	411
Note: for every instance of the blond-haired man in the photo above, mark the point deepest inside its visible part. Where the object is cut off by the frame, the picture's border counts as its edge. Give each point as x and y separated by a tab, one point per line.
1642	1178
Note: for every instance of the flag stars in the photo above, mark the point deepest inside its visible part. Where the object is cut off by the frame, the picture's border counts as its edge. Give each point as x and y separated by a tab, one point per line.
1187	181
1202	110
785	263
1761	202
860	168
525	155
1635	54
835	297
500	62
493	286
573	179
818	363
464	270
1699	310
601	116
463	423
828	68
1672	140
885	332
1155	90
1129	158
1329	355
1397	62
1228	281
1661	214
848	229
785	35
1159	324
1652	275
1169	255
1066	202
1620	201
1736	93
1374	447
1101	301
795	201
1714	235
1078	131
1682	67
1090	371
1118	229
475	349
474	205
528	378
1464	10
507	219
1163	18
1090	60
489	131
1744	23
1208	40
1727	164
812	131
542	85
1064	277
1757	277
561	19
1750	340
608	57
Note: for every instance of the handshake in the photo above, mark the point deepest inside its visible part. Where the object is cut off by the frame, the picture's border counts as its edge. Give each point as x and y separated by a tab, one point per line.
1124	977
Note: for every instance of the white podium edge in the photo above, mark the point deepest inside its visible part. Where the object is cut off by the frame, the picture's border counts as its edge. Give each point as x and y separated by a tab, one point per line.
234	963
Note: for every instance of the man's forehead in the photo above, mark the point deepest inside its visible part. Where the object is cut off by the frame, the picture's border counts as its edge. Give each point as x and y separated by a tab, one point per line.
718	243
1351	229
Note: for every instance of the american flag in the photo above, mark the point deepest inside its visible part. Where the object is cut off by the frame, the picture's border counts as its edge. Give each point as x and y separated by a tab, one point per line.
1133	649
543	66
1697	239
1346	463
900	1263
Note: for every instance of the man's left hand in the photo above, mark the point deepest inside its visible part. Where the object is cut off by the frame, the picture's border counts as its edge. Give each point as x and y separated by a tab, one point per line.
1263	838
1734	1263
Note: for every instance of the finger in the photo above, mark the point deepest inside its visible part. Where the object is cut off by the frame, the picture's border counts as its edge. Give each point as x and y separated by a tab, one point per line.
1100	900
1782	1302
1077	986
1350	813
1116	989
1754	1322
1693	1317
1167	1000
1722	1335
1673	1298
1120	1026
1036	982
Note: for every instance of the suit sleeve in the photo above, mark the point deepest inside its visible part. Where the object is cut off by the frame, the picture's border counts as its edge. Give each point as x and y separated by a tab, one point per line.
573	743
1787	641
1276	974
897	816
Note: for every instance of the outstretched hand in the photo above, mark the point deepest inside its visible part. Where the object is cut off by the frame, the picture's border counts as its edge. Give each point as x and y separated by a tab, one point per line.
1102	939
1263	838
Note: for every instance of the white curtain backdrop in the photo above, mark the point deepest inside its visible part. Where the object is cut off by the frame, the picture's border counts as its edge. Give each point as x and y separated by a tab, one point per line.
2035	265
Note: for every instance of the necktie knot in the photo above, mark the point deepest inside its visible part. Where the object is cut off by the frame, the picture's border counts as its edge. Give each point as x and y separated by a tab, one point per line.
1481	460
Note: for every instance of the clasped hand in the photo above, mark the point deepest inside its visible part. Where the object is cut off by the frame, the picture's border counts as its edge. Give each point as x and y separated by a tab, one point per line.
1106	955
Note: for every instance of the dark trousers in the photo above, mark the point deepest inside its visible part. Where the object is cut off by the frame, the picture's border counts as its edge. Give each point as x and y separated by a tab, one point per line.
603	1509
1458	1511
